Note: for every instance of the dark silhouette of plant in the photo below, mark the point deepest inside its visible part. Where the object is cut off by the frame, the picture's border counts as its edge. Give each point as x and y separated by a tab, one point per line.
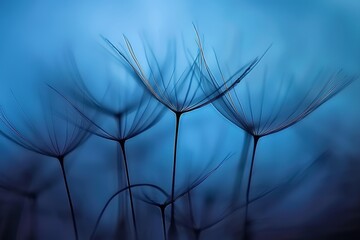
241	167
181	90
61	133
168	200
207	221
181	193
133	110
118	193
28	193
13	196
277	110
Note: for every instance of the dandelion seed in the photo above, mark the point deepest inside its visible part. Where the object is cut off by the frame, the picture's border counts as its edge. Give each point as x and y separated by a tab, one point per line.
181	90
276	110
132	117
56	138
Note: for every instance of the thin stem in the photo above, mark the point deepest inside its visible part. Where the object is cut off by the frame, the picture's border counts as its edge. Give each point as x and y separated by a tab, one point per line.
33	224
116	194
162	210
197	233
120	182
177	123
241	167
122	145
246	223
61	161
20	234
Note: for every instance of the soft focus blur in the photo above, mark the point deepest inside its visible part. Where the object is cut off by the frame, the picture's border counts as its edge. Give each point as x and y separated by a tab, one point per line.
313	166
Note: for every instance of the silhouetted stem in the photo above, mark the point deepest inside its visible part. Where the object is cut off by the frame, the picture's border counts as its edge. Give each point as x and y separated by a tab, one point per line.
247	201
177	123
31	219
241	167
116	194
122	145
61	161
120	185
197	233
162	210
33	224
20	234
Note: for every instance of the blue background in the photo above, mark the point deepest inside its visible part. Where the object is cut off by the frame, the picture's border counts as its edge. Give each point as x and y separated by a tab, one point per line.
322	202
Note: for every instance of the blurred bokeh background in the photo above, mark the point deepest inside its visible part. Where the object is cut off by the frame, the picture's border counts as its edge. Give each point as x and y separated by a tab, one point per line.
313	166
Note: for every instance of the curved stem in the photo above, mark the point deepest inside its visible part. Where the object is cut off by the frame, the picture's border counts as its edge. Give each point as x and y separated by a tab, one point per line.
246	223
177	123
61	161
117	193
122	145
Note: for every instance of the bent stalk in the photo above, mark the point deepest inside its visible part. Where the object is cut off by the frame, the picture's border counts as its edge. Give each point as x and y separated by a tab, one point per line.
116	194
